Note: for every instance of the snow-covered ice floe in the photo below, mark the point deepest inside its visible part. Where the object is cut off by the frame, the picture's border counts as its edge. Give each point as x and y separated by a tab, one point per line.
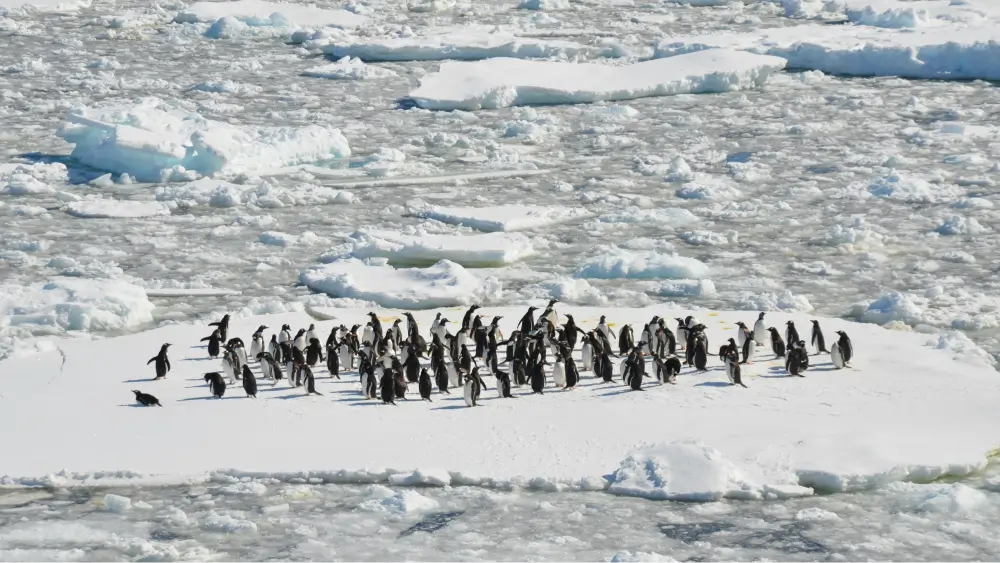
475	250
48	6
444	284
918	13
151	141
957	52
110	208
349	68
506	218
258	13
906	409
617	262
467	43
503	82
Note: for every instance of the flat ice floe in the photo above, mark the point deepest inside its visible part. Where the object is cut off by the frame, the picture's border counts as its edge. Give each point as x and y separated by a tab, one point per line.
504	217
258	13
468	43
475	250
643	264
905	410
150	140
349	68
109	208
956	52
498	83
918	13
445	284
8	6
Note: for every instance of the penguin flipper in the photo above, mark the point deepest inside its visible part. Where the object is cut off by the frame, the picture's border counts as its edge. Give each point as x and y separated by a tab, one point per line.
167	362
151	360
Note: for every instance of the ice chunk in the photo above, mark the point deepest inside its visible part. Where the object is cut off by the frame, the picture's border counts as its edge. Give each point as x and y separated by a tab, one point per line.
47	6
117	503
688	470
504	82
467	43
259	13
617	262
481	250
403	502
150	140
349	68
75	304
917	13
503	218
110	208
445	284
913	190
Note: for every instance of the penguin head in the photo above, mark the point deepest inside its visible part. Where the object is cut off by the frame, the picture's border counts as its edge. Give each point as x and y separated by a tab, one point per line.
474	307
444	321
496	320
397	321
137	393
840	332
740	324
552	302
602	319
532	309
300	332
732	341
815	322
790	323
772	330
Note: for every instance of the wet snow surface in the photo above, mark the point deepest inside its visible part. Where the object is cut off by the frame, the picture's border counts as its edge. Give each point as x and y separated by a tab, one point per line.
265	520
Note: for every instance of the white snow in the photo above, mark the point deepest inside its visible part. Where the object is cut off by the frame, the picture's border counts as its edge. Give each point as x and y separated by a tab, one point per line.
953	52
477	250
614	262
848	429
109	208
150	140
258	13
917	13
349	68
503	82
74	304
503	218
468	43
46	6
445	284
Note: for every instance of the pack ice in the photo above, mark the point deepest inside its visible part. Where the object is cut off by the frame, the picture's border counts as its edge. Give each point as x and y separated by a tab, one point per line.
504	82
258	13
910	407
502	217
152	141
421	248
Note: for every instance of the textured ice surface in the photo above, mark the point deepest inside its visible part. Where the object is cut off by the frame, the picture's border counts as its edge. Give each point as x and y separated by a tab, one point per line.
499	83
258	13
473	250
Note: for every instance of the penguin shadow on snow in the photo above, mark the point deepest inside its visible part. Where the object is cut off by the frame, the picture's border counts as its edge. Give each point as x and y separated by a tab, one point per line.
197	359
712	384
208	398
143	380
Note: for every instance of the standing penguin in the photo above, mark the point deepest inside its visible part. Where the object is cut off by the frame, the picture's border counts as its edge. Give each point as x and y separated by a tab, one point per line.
299	341
587	352
538	378
398	381
791	335
162	362
572	331
229	366
749	347
569	366
333	361
817	338
682	331
265	364
223	328
216	383
733	372
388	388
700	352
314	352
285	335
777	344
412	368
274	349
559	372
794	362
603	328
473	388
626	339
503	385
249	382
257	341
425	385
836	357
310	381
846	348
742	334
238	349
214	343
441	378
606	369
760	331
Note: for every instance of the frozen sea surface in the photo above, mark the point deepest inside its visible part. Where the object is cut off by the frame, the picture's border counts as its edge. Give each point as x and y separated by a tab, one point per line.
274	521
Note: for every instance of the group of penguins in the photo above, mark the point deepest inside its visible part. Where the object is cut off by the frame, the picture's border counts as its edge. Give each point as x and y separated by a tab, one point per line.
388	360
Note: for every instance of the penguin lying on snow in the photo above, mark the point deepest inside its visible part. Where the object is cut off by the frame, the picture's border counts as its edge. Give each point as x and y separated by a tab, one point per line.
146	399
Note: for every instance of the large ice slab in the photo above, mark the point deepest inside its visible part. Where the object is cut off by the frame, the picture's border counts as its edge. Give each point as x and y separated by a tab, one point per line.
151	141
467	43
445	284
498	83
58	6
110	208
918	13
887	418
955	52
349	68
477	250
617	262
504	217
258	13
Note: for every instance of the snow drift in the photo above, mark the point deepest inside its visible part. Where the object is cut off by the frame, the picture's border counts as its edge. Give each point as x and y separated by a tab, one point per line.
505	82
152	141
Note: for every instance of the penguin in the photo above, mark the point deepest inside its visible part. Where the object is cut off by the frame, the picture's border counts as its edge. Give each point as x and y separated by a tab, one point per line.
603	328
749	347
441	378
667	339
454	375
538	379
368	335
571	331
569	366
682	331
425	385
742	334
347	350
229	366
793	363
760	331
299	341
249	382
836	357
520	374
238	348
846	348
777	344
398	381
668	369
274	349
265	364
466	359
388	388
257	341
527	323
700	353
587	352
503	385
216	383
333	362
310	381
146	399
817	338
800	349
311	333
550	313
285	335
314	352
412	368
397	333
733	372
467	319
214	343
606	370
626	339
559	373
162	362
299	362
727	349
636	364
223	328
791	335
473	388
376	327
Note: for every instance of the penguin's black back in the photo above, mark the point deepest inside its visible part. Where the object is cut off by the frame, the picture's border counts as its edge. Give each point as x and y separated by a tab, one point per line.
249	382
425	385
